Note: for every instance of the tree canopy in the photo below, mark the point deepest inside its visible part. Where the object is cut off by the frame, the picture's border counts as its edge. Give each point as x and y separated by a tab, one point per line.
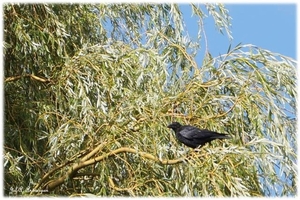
91	88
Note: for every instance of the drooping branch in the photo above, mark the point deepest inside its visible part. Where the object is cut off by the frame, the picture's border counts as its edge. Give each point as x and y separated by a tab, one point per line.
90	160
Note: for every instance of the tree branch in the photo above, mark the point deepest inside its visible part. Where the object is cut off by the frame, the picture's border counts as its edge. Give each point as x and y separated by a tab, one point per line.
13	78
88	160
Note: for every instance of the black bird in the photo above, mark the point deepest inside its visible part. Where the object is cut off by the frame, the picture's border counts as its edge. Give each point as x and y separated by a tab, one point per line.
193	137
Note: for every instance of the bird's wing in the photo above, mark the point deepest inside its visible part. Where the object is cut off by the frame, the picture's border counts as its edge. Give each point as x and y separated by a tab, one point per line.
190	132
207	133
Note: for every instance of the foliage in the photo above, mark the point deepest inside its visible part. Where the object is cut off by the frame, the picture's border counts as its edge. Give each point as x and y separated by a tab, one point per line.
90	89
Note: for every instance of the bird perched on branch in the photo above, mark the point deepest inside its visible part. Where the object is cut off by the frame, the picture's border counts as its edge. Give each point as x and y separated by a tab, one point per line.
194	137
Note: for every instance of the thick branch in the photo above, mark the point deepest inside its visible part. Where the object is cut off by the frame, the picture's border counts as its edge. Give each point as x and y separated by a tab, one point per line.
46	176
85	162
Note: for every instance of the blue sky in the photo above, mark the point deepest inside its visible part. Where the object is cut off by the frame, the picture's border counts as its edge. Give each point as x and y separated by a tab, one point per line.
269	26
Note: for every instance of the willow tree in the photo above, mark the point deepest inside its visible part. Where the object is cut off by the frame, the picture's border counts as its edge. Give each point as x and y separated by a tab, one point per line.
90	89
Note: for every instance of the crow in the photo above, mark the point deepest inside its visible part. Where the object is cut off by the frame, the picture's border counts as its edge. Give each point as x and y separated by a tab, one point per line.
194	137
